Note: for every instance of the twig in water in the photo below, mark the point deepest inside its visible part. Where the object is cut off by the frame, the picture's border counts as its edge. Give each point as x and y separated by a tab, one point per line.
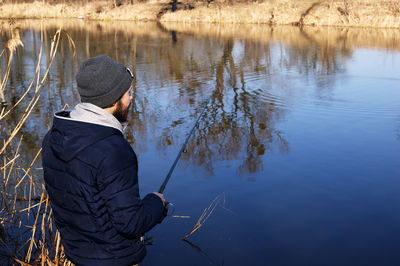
206	213
181	216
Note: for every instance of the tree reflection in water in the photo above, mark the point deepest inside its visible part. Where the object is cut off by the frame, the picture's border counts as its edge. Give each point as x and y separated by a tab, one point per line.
250	73
175	76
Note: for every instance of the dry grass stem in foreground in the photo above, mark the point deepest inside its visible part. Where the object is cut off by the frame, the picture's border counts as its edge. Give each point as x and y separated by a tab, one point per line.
27	234
219	200
9	49
39	83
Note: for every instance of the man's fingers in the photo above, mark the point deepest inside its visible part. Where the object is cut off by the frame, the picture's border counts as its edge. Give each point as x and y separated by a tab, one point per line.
161	196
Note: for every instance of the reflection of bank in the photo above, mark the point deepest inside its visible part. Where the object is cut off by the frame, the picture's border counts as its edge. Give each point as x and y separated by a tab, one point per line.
206	56
349	38
163	29
173	35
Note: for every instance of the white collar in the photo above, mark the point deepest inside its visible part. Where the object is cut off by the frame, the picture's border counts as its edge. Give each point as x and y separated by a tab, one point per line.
90	113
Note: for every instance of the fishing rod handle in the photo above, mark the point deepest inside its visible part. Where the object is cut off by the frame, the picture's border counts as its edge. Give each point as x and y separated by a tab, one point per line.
165	211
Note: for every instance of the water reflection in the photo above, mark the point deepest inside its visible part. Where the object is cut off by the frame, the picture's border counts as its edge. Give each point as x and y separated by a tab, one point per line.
198	249
252	78
233	64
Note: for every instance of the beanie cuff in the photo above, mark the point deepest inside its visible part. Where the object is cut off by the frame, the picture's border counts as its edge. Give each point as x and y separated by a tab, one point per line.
110	97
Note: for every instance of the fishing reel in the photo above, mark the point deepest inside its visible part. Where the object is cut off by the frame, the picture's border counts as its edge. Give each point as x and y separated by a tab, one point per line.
169	209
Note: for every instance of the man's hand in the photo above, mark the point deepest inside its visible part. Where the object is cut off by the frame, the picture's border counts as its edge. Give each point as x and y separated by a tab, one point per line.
161	197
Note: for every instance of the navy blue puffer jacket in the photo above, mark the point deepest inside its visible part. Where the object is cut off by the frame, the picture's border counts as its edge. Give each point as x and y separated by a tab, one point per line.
90	172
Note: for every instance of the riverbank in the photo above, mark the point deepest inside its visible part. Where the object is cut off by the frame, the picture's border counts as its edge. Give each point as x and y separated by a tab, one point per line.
361	13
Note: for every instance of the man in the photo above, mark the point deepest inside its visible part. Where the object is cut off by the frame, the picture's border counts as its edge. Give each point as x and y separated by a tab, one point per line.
90	172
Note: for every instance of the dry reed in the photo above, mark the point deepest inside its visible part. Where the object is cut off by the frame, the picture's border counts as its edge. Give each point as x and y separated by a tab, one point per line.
22	195
360	13
39	84
218	200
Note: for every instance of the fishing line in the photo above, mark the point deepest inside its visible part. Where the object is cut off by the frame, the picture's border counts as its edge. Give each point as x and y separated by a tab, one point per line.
166	211
183	148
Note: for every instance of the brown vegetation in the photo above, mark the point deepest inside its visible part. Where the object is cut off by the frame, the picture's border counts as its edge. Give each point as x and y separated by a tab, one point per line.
218	200
24	204
362	13
388	39
358	13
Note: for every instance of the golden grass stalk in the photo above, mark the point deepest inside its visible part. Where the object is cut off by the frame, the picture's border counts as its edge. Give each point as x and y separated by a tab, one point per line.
37	250
6	75
58	241
11	46
9	162
31	207
22	263
43	228
12	162
29	168
39	82
206	213
32	240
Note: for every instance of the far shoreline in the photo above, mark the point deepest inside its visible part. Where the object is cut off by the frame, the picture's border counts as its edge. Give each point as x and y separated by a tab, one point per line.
361	13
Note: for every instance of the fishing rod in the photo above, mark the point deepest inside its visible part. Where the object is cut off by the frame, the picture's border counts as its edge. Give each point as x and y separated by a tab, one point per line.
161	190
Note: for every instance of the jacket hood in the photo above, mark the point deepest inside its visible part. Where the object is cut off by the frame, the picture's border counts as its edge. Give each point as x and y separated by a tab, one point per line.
69	137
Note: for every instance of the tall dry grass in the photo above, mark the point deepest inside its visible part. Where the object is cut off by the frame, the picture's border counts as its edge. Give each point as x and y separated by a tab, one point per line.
93	10
357	13
218	200
362	13
27	232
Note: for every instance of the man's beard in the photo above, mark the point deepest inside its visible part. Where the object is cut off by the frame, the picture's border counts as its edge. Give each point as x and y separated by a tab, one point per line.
121	113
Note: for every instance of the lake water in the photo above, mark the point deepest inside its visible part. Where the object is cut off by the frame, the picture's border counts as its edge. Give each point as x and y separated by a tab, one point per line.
301	134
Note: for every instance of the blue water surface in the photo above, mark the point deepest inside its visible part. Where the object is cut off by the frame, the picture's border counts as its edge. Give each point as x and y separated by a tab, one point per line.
299	145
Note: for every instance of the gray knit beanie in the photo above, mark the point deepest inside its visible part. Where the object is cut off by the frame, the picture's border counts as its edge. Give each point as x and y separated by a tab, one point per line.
102	81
